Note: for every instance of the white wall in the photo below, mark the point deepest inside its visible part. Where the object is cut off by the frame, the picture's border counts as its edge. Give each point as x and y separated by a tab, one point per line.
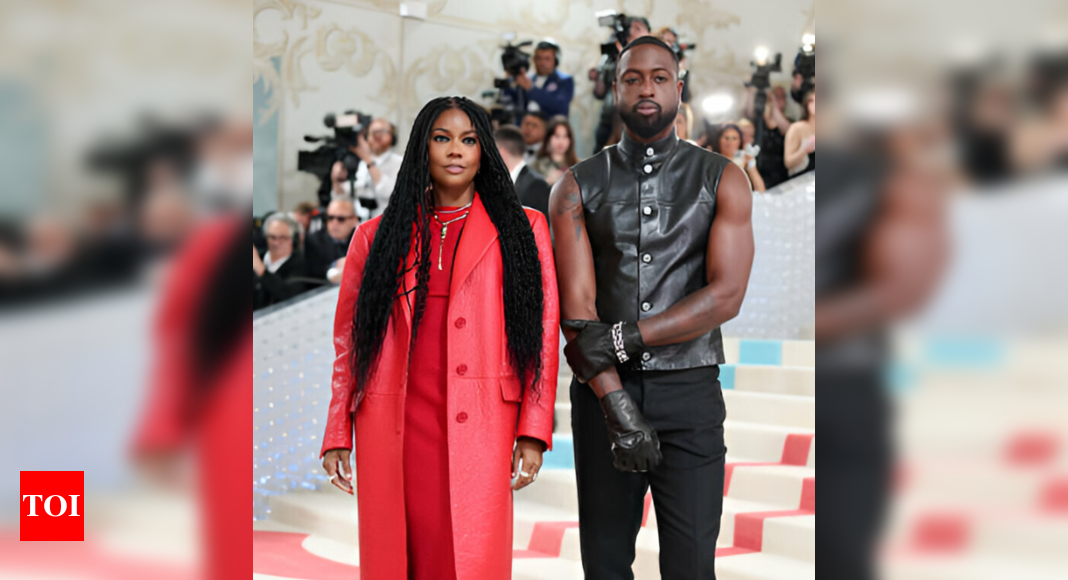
361	54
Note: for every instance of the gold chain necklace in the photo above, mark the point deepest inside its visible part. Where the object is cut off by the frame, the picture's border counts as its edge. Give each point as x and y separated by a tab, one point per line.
445	228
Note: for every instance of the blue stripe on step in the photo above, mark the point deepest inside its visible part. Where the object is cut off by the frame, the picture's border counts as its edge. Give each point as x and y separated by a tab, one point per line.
726	376
951	352
760	352
563	454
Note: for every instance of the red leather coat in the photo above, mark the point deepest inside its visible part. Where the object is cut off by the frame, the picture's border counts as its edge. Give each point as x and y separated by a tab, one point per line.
486	408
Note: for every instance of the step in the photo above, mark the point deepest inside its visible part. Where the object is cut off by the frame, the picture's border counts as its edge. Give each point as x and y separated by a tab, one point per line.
773	409
791	536
784	486
330	513
760	442
784	380
555	489
547	569
562	417
761	566
800	353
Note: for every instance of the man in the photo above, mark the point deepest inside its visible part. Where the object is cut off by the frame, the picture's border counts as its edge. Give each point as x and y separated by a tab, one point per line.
545	89
653	246
533	130
530	186
603	78
325	247
271	274
379	166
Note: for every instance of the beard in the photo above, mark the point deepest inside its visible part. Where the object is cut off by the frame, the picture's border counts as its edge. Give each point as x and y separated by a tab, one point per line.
648	126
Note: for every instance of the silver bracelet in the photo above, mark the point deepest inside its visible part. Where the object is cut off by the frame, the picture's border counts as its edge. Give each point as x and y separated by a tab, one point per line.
617	340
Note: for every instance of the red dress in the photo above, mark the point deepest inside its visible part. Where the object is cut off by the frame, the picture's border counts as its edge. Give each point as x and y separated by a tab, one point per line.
426	453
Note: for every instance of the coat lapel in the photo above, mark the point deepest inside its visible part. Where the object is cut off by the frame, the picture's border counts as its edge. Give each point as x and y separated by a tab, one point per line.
478	235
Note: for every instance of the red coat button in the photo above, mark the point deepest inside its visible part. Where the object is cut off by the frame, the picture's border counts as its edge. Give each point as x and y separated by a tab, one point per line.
461	418
461	369
460	323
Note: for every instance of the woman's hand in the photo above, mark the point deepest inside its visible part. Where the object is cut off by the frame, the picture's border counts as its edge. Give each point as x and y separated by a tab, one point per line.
337	466
526	461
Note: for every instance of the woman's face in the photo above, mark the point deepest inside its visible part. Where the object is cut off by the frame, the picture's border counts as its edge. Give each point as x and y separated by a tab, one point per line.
812	106
454	150
560	141
729	142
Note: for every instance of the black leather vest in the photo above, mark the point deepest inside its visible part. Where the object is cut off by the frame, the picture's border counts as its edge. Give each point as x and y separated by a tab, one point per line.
648	209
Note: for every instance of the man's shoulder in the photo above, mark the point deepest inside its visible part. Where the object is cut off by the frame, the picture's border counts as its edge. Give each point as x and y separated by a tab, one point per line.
598	159
562	76
531	173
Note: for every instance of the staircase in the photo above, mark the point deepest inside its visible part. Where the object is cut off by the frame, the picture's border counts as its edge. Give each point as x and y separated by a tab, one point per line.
768	530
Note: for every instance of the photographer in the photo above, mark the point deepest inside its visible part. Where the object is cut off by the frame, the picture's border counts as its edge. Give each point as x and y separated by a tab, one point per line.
604	75
378	169
770	161
545	89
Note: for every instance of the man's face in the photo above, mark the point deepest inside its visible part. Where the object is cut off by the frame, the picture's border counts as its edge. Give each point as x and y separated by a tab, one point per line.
779	95
380	137
637	29
544	61
533	130
647	91
279	241
340	219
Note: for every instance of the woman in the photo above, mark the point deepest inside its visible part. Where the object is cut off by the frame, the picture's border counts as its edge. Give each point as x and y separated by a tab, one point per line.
728	142
557	153
800	149
447	343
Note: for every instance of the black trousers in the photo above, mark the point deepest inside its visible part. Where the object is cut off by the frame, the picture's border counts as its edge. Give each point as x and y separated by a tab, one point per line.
686	408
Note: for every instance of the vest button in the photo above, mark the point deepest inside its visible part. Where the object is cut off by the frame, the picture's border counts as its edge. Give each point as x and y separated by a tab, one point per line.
461	417
646	356
649	151
648	168
647	258
645	308
461	370
460	323
647	210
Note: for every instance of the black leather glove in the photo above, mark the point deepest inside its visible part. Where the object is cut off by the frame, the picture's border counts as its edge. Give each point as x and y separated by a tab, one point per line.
593	350
635	446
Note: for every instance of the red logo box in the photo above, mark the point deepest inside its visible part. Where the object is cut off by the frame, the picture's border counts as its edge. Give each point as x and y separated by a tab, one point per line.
52	506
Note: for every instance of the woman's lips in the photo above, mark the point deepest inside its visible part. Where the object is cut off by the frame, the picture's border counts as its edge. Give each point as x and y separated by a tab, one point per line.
454	169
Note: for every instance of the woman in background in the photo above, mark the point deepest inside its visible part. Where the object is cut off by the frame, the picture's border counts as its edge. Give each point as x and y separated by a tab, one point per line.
727	142
557	153
800	148
447	342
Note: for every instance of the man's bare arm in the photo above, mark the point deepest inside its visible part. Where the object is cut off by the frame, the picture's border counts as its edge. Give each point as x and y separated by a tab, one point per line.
574	268
728	263
904	257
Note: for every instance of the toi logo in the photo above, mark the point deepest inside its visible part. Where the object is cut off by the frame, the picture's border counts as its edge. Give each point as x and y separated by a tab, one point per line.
52	505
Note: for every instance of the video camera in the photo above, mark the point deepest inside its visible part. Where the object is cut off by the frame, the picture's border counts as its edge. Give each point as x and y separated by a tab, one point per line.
805	65
347	129
762	69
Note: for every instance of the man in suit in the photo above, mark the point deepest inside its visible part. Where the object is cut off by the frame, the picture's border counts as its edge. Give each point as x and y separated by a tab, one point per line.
530	186
326	246
544	89
271	274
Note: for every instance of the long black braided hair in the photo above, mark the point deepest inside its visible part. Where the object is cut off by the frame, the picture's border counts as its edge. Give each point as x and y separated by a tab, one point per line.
412	203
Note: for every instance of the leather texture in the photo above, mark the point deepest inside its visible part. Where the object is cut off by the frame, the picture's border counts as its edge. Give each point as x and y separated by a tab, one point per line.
635	445
593	350
649	209
486	406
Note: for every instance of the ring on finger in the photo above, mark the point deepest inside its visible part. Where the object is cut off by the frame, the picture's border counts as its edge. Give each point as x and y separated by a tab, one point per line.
524	474
332	477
